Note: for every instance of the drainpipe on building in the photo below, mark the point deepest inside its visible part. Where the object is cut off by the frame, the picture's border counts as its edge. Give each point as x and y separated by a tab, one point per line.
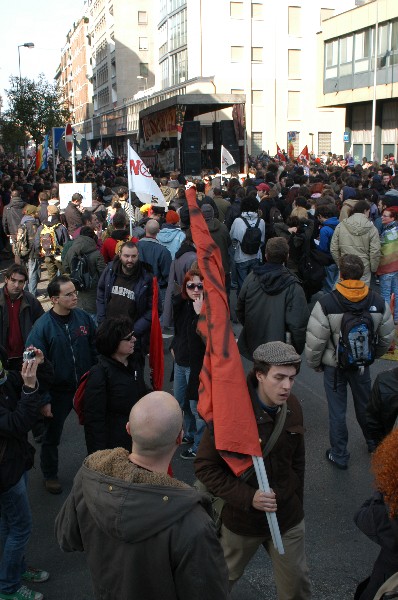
373	147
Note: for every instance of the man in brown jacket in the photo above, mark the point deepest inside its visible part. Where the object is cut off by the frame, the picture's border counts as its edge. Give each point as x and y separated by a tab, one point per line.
244	524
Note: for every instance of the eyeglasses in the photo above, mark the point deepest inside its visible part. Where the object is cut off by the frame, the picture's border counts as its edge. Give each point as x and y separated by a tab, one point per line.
193	286
70	294
128	337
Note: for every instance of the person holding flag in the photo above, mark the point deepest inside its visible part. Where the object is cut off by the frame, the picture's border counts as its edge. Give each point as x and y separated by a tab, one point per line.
280	429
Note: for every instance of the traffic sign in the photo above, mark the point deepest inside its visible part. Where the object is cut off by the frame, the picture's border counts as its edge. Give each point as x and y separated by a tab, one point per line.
68	137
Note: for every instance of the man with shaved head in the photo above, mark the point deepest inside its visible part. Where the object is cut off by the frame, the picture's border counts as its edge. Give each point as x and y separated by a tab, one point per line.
146	534
152	252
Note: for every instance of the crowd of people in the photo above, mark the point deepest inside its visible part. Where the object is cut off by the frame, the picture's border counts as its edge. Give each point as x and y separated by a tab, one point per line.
309	249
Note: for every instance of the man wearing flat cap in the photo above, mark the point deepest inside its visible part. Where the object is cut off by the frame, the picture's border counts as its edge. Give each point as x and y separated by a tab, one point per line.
244	525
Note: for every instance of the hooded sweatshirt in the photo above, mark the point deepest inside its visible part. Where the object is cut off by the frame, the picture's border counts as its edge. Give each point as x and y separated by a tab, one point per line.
357	235
171	237
123	516
271	303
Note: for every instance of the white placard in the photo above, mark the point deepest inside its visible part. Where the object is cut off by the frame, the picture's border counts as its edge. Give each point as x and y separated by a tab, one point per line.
66	191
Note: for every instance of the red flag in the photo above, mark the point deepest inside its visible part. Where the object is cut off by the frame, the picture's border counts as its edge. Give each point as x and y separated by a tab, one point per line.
305	154
224	400
156	357
280	154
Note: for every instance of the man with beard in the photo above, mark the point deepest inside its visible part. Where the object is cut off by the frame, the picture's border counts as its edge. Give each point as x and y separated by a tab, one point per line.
125	288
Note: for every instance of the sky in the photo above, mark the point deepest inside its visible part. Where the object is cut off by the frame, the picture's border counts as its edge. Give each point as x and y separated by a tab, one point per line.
43	22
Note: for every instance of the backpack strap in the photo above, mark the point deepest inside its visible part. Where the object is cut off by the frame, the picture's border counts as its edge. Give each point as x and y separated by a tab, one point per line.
246	222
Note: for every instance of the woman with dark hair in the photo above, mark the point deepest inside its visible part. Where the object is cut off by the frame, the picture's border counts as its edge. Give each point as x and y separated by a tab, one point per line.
188	352
388	266
248	218
113	386
378	517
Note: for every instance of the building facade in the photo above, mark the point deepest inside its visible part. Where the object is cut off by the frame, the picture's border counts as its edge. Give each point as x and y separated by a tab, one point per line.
359	72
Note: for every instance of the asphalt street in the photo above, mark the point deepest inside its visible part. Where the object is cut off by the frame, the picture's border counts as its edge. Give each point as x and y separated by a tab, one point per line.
339	556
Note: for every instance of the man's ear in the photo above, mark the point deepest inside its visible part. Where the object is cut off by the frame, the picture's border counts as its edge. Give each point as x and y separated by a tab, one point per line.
128	428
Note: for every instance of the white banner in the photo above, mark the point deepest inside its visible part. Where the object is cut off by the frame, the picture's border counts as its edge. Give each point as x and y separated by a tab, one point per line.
141	181
227	160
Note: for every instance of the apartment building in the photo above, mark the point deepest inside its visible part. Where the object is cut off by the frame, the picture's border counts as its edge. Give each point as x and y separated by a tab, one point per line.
359	72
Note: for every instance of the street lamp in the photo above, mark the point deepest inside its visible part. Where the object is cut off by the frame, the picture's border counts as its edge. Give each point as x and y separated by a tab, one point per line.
25	45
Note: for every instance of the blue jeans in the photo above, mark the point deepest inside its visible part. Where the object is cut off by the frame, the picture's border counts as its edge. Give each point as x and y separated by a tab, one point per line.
15	528
181	378
33	267
61	405
331	277
200	425
243	269
389	286
337	401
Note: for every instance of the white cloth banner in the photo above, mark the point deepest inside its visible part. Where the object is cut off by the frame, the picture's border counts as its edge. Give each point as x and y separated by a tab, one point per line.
227	160
141	181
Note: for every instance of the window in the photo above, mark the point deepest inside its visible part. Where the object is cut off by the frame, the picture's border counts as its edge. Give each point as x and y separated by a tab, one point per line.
294	58
143	43
324	141
142	17
236	10
143	69
164	69
257	11
178	30
346	44
257	143
331	58
394	43
236	91
294	20
163	40
363	48
179	67
174	4
293	105
257	97
257	55
236	53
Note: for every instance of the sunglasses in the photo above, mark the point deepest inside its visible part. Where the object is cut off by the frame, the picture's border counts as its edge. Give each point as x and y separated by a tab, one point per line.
193	286
128	337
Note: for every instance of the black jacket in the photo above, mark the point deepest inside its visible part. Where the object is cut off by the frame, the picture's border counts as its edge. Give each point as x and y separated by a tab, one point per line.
382	408
111	391
18	413
373	520
30	310
179	345
196	349
12	216
271	303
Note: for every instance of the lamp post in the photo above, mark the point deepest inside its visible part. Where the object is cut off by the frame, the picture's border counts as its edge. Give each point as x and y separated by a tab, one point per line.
312	141
25	45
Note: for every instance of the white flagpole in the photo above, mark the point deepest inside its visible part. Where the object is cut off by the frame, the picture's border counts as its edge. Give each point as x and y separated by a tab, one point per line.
263	484
129	179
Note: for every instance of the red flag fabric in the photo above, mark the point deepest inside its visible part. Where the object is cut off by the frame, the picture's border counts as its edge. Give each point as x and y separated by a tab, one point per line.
290	151
305	154
156	356
280	154
224	400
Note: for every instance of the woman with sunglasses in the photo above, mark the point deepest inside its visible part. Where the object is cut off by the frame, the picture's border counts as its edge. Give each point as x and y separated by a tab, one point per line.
113	386
388	266
188	351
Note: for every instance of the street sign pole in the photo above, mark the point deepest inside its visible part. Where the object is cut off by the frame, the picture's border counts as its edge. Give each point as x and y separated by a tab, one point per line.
74	160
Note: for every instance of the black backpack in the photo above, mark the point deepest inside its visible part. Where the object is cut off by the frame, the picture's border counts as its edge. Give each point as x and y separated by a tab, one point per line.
275	216
80	273
251	241
357	338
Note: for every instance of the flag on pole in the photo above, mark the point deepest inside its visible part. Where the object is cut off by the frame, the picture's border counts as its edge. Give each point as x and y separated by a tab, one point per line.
227	160
224	400
39	158
280	154
156	355
108	151
141	181
304	153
